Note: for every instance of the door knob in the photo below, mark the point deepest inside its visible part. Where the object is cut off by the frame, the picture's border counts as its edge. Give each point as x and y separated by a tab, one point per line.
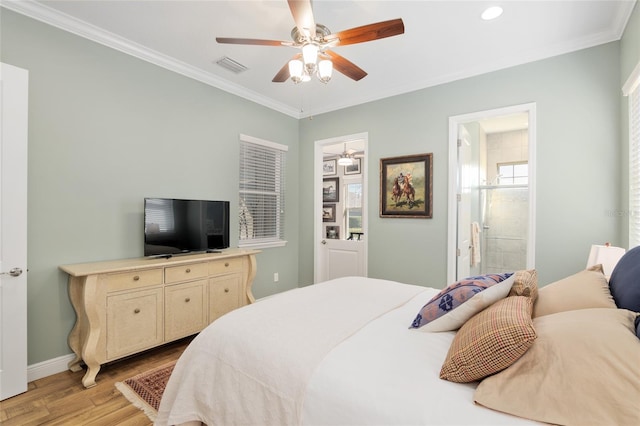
324	241
15	272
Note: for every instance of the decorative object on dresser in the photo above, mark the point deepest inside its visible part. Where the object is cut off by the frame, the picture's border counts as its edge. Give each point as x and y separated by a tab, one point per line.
127	306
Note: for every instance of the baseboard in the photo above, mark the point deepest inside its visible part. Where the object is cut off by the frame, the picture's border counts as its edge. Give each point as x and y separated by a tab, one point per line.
49	367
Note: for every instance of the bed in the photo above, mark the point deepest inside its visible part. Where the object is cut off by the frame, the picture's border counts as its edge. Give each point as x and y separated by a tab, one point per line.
356	350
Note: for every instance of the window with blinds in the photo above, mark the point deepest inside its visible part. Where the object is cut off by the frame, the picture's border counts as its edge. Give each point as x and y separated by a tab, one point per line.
632	90
262	190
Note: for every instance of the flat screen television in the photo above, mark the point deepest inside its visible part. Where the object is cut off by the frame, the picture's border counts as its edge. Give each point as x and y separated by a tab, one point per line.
174	226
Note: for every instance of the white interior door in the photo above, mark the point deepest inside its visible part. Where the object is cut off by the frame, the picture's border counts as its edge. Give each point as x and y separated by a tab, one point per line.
13	230
342	259
338	257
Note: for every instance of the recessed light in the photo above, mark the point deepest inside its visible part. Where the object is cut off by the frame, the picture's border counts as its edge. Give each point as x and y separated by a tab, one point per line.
491	13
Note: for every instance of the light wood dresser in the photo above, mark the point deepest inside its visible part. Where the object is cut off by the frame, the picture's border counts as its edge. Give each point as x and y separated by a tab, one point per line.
127	306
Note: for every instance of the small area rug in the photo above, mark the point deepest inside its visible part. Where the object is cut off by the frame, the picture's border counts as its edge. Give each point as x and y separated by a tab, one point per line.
145	390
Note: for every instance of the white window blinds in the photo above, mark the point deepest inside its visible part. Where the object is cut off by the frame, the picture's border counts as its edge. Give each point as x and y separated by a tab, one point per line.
632	89
262	190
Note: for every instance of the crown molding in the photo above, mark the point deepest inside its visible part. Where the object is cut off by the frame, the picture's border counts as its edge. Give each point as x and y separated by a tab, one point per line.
50	16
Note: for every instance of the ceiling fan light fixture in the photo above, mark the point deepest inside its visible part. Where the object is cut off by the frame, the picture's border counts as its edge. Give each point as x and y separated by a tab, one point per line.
310	56
325	69
345	160
295	70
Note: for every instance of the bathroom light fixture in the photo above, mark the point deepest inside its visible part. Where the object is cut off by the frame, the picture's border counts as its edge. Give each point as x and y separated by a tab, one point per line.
491	13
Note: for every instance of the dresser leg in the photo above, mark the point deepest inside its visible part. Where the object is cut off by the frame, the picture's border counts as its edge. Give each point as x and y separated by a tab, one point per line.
89	379
75	336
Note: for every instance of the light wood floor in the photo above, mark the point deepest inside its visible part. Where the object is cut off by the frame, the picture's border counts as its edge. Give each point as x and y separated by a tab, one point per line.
62	400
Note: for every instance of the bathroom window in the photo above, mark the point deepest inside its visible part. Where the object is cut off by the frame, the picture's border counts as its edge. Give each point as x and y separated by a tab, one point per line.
516	173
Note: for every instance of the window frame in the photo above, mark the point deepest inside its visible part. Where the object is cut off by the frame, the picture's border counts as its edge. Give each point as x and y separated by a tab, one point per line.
279	174
631	89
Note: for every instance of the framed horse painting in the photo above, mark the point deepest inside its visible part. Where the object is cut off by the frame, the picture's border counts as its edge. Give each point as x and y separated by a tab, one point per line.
406	186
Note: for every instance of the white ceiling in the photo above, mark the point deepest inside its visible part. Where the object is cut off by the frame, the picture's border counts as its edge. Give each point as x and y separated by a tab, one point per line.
443	41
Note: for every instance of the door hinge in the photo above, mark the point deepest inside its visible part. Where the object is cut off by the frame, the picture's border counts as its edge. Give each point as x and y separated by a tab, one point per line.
459	143
458	253
459	197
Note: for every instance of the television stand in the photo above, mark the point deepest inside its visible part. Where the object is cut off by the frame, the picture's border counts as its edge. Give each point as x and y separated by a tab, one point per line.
127	306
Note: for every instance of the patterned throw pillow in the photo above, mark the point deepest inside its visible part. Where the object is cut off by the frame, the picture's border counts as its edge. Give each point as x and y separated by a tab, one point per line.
490	341
454	305
526	284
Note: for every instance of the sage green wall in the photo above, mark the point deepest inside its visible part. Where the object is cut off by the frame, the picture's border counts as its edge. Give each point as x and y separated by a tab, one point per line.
106	130
578	150
629	58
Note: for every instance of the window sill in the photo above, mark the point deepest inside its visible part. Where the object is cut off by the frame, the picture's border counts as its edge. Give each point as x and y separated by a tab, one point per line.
261	245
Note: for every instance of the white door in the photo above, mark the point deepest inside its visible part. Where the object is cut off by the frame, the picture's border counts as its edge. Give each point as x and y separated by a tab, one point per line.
13	230
335	254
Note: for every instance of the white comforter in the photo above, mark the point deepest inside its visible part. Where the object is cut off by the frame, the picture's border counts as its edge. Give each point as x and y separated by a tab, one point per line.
338	353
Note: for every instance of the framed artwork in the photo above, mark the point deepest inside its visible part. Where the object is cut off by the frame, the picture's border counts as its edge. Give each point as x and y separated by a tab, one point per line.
329	167
406	186
333	232
353	169
329	213
330	190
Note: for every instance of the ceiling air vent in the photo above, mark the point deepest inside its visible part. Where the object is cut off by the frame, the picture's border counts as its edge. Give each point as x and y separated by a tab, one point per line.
231	65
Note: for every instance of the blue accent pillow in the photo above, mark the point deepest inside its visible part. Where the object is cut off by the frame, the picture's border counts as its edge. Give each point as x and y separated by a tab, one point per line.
625	281
453	306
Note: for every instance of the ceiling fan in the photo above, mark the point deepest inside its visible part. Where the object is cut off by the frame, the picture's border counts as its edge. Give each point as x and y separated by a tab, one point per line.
347	157
314	40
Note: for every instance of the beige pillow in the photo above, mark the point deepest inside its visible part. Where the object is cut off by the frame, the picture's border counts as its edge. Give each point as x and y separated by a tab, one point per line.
490	341
586	289
582	369
525	284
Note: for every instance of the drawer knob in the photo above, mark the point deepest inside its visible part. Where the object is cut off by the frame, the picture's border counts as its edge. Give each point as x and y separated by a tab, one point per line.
136	311
136	278
226	264
188	270
226	290
188	299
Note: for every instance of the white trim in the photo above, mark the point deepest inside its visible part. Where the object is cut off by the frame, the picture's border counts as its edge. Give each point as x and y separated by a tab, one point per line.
49	367
454	123
263	142
270	244
632	82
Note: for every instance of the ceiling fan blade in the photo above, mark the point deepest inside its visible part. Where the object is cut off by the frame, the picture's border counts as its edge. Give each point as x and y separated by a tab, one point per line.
252	41
303	16
283	75
367	32
345	66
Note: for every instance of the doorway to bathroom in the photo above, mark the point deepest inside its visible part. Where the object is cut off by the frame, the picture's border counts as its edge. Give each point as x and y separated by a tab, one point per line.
491	192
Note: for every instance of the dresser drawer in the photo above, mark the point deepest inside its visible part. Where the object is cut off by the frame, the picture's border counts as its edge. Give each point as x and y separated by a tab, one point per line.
185	309
224	266
192	271
136	279
134	322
